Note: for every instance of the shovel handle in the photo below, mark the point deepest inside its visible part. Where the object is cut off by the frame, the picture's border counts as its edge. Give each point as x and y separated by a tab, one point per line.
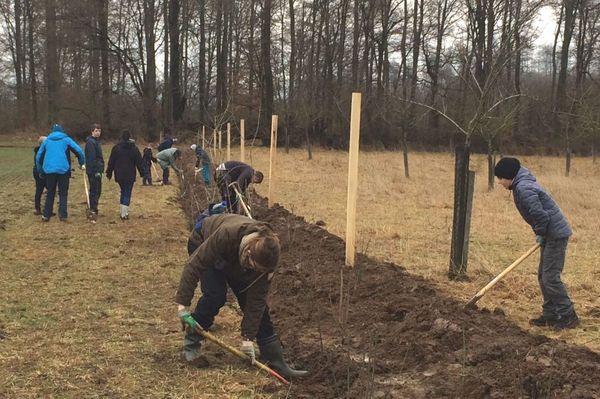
194	324
499	277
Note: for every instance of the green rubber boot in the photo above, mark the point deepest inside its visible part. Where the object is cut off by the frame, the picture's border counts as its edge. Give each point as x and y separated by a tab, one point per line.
272	354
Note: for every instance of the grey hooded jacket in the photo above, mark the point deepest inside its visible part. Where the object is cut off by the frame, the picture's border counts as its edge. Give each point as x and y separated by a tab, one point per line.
538	208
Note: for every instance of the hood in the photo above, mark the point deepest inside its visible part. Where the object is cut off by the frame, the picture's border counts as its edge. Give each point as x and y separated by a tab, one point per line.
90	137
57	128
522	175
57	135
128	143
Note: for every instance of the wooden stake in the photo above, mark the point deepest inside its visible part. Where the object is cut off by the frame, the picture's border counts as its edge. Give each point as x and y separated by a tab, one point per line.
272	156
214	144
228	141
352	180
242	140
203	138
220	141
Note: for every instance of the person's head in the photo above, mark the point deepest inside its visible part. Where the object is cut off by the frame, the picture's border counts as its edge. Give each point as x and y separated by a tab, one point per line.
177	153
41	139
257	177
125	135
259	251
193	147
95	130
56	127
506	169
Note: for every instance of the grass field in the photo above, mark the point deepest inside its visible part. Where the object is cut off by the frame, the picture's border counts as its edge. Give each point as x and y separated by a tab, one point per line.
87	311
409	222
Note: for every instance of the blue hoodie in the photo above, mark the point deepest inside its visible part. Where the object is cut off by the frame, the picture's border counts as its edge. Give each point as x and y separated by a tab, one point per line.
538	208
53	151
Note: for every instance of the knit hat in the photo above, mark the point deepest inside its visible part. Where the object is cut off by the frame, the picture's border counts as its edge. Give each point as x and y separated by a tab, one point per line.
507	168
193	147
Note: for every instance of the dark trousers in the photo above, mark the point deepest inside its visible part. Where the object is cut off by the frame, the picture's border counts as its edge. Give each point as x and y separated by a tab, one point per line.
147	179
557	303
54	180
40	185
95	191
165	178
213	285
228	193
126	189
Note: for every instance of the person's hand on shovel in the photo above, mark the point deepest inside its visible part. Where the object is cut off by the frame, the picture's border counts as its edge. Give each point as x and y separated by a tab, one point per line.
183	312
540	240
248	349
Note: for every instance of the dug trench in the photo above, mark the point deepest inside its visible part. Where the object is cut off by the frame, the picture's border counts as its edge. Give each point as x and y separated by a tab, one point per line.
376	331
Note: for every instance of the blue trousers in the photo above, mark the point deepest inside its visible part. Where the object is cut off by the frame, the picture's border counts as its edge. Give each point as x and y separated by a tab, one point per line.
126	189
557	303
54	180
165	178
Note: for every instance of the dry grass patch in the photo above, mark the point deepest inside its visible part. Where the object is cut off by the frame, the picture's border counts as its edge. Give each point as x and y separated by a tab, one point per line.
409	222
88	309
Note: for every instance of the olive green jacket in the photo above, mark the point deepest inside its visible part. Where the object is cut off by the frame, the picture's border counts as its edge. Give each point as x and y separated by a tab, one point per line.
220	239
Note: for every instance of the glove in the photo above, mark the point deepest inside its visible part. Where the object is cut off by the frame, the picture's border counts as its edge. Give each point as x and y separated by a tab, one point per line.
218	208
82	167
98	175
248	349
182	312
540	239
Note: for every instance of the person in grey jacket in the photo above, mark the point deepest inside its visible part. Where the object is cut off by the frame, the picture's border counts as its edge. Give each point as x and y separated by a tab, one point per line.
552	231
167	158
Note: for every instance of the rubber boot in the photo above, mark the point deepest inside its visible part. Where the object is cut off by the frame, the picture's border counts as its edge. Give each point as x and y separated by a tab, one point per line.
191	350
272	354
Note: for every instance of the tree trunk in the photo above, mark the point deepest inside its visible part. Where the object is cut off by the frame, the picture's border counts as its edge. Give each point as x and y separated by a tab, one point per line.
203	93
149	94
52	72
19	64
32	77
167	96
308	144
266	71
177	100
103	31
356	45
491	164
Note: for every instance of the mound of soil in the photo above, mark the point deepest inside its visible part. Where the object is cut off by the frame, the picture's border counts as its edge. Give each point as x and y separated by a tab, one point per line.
376	331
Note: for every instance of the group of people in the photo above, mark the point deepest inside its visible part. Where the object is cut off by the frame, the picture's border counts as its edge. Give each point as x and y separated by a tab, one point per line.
52	170
227	249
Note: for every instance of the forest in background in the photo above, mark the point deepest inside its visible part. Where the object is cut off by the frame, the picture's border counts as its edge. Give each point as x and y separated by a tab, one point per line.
433	73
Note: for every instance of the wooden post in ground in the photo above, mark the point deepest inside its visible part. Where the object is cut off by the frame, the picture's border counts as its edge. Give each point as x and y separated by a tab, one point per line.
203	138
352	180
273	153
228	141
242	140
220	141
214	145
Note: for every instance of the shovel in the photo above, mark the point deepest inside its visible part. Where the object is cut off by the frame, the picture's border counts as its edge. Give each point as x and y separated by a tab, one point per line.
194	324
241	200
481	293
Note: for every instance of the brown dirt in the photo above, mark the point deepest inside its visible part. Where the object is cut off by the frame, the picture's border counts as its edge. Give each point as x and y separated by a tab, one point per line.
390	334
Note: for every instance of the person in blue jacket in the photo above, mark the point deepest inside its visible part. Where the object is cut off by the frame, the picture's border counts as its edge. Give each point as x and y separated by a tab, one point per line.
552	231
94	167
52	163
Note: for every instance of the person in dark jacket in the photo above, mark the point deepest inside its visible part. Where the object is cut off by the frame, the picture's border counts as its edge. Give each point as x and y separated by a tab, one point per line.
147	159
242	253
552	231
52	162
202	158
124	159
94	167
238	174
40	182
166	143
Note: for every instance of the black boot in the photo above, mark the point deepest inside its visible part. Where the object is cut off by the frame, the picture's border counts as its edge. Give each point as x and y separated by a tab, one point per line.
272	354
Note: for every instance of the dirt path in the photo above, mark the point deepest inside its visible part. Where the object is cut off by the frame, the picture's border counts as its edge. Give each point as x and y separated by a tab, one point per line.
86	310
